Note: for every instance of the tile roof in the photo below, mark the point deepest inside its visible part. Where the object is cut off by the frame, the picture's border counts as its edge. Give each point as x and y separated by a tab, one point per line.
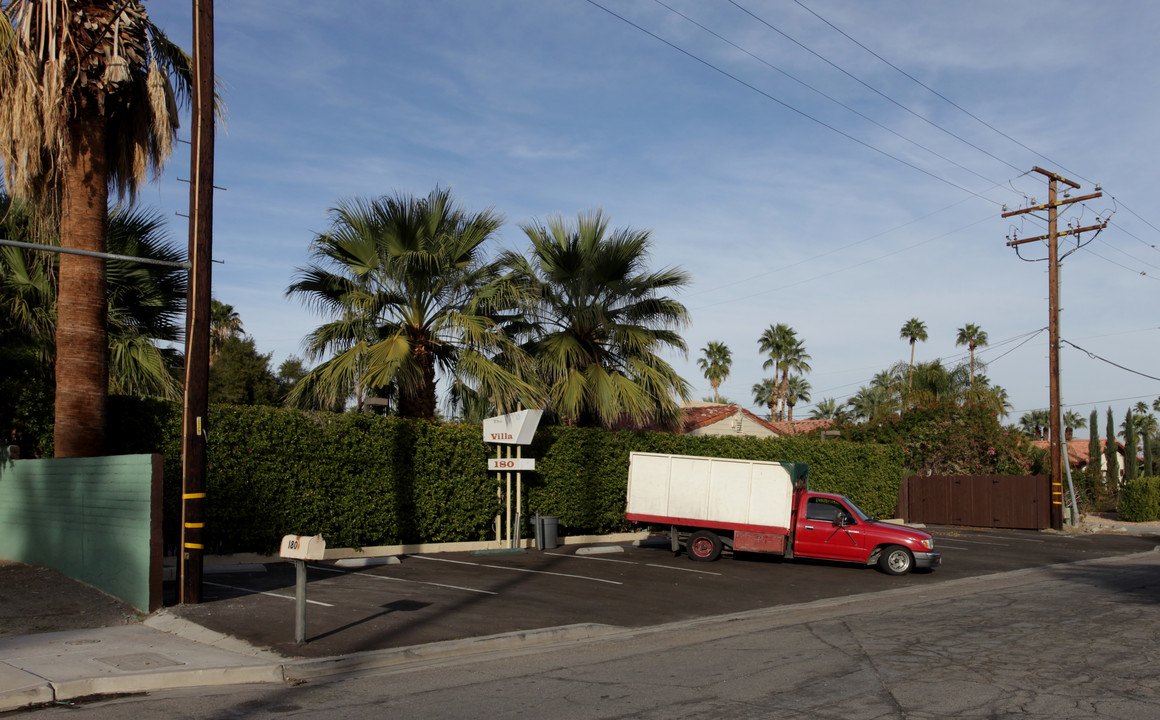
702	415
800	427
1077	449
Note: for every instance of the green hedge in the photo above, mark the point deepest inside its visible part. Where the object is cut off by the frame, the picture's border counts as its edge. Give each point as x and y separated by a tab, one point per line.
1140	500
367	480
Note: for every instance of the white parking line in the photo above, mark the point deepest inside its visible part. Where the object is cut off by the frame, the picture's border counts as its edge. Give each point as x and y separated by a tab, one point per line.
670	567
972	542
1013	537
263	592
940	546
514	569
629	562
404	580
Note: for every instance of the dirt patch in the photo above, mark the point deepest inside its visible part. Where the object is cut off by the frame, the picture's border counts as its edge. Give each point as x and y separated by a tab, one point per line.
38	600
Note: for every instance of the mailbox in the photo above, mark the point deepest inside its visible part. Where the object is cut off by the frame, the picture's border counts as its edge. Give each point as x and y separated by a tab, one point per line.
303	547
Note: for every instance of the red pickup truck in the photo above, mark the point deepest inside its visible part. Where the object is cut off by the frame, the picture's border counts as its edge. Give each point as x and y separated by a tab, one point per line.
753	506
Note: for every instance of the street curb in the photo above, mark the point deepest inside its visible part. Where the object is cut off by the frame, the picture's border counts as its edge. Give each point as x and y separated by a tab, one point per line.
166	680
373	659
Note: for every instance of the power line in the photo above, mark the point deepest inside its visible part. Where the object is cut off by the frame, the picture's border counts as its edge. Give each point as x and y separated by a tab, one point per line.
832	99
804	281
789	107
847	246
1093	356
869	86
952	103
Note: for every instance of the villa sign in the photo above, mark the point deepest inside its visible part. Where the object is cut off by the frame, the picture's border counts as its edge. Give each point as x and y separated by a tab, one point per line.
516	428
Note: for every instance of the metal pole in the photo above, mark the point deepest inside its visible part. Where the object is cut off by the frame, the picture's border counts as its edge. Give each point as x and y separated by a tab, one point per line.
508	476
196	402
93	253
519	497
1070	484
299	601
498	496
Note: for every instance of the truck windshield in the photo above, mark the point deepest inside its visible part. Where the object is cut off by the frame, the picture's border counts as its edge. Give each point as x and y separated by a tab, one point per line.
857	510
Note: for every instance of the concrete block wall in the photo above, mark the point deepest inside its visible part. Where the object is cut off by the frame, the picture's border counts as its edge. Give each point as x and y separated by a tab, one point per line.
97	520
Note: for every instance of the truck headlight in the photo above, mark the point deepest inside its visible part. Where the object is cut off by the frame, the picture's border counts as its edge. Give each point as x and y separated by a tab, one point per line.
928	544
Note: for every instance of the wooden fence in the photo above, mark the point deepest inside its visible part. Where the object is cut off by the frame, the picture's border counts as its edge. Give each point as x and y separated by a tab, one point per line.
997	501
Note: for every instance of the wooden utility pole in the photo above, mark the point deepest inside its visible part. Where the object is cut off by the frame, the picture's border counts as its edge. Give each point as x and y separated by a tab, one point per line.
1052	237
196	405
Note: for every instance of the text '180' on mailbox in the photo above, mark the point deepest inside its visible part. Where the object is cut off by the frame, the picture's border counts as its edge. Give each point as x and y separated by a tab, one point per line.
303	547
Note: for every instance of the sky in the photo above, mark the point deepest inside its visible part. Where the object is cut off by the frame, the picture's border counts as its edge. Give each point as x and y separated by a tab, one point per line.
840	167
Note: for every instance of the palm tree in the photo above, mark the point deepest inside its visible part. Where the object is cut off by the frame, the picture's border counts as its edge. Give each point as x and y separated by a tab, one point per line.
596	319
766	393
715	365
973	337
889	382
144	301
794	360
408	293
86	106
1036	424
774	342
1071	422
224	323
797	390
146	306
828	409
786	354
870	403
912	331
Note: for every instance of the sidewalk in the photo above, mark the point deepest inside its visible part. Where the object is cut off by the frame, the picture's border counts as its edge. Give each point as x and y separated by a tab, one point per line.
167	652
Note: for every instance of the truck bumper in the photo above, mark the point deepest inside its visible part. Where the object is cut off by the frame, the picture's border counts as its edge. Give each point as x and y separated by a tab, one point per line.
927	560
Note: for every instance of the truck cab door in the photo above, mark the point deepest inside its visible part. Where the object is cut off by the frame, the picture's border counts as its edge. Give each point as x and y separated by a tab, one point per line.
829	531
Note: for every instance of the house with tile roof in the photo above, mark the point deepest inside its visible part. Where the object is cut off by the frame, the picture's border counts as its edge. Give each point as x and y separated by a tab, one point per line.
1079	457
705	418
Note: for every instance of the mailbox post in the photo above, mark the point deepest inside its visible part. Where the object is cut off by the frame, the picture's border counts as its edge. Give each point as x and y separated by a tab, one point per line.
298	549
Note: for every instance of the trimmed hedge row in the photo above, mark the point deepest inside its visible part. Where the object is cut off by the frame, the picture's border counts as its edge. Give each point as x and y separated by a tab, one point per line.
364	480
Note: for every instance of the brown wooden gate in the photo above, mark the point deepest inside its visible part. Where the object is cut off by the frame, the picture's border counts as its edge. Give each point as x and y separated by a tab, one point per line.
998	501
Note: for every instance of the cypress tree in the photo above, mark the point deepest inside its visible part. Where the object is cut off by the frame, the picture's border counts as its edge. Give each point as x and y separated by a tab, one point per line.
1131	459
1147	442
1094	451
1112	457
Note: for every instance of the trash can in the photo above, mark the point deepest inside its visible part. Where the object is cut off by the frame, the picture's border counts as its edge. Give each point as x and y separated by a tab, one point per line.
547	532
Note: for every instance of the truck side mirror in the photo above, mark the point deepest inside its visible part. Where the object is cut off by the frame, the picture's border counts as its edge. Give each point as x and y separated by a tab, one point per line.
841	519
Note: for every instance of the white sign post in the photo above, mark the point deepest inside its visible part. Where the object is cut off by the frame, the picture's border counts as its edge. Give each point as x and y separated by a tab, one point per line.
517	429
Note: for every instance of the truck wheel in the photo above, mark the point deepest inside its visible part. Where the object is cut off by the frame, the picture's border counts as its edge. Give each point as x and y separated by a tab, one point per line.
895	560
704	545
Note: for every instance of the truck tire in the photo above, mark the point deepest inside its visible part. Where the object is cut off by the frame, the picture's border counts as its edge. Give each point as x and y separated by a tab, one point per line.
704	545
895	560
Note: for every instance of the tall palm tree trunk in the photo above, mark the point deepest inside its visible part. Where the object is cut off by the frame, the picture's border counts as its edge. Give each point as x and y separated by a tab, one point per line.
82	374
910	371
782	395
421	402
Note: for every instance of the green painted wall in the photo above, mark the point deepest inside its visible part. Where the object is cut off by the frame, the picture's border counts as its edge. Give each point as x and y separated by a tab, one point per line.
94	519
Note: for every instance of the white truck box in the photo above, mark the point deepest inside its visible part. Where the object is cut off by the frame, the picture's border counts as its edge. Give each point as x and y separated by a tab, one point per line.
712	492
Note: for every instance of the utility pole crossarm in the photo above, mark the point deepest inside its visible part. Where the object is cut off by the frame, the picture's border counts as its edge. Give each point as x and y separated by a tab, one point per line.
1055	176
1047	206
1075	231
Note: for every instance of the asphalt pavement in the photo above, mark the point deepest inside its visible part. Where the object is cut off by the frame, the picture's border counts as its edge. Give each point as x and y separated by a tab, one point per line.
424	608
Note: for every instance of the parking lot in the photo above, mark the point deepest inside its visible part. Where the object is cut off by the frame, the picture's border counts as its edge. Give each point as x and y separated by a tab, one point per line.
427	598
